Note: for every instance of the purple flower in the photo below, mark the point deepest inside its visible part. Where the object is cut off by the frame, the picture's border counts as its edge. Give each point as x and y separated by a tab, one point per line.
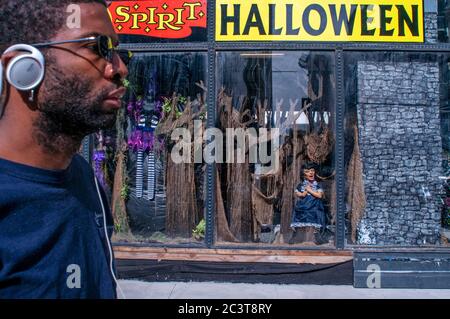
143	141
99	159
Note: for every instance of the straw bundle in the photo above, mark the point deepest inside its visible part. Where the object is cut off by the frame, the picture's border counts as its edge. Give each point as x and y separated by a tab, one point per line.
319	146
119	210
223	230
182	211
291	177
118	206
356	194
263	204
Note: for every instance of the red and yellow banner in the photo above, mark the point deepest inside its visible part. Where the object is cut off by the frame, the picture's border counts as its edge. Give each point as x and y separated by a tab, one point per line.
171	19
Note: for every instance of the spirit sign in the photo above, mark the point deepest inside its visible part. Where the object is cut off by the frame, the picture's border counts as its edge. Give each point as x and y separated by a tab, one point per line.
170	19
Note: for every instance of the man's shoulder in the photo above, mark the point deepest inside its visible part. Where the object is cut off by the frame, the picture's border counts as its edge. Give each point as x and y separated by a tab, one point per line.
8	179
82	172
80	163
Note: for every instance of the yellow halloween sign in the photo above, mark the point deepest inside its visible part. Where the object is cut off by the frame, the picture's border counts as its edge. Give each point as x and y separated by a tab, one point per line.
320	20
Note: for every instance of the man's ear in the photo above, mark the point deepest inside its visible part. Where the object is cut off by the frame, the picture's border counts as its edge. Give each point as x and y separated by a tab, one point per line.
6	87
6	57
4	60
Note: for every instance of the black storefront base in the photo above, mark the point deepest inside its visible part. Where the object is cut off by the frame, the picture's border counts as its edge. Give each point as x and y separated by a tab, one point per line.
414	270
266	273
369	269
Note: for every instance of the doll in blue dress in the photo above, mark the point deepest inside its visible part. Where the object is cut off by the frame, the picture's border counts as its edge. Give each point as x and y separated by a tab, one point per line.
309	212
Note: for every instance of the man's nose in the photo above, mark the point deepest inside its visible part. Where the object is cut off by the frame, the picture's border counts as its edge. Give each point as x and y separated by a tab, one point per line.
122	69
118	69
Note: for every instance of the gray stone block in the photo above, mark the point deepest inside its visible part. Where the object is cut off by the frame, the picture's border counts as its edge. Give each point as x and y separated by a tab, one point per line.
400	147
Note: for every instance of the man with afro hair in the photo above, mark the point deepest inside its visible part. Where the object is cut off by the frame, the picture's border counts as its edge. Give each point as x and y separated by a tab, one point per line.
55	221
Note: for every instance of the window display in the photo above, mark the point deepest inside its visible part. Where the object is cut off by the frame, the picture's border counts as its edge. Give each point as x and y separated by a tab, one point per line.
397	148
274	144
153	198
285	101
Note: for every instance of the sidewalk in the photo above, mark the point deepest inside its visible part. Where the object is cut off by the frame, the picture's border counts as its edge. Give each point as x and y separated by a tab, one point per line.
212	290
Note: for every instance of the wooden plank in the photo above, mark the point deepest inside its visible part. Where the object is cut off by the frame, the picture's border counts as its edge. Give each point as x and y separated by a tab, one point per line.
234	251
233	255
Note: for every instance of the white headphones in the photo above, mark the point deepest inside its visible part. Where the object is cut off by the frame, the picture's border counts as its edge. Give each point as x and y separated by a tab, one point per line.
26	71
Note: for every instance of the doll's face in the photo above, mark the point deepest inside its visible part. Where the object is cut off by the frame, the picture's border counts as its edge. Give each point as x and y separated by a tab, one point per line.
310	174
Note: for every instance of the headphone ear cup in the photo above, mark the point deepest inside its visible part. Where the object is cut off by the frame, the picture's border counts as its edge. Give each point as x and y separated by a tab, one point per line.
26	71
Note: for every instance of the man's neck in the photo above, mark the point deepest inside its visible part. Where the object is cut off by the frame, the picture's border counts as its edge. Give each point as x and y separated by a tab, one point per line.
37	149
26	137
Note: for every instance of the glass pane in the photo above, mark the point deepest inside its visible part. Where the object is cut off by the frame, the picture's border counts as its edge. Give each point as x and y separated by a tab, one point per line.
155	199
437	18
284	102
397	148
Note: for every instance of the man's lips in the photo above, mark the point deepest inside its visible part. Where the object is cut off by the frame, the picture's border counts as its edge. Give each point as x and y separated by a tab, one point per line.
114	99
117	94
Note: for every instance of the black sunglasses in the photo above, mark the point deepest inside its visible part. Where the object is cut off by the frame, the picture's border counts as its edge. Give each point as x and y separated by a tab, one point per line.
102	45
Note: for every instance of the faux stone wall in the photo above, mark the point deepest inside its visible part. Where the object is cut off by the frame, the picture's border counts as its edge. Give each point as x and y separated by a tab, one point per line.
399	131
431	27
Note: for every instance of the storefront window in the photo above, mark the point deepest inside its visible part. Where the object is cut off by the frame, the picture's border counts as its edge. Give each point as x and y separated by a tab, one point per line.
441	10
436	21
397	148
276	111
153	198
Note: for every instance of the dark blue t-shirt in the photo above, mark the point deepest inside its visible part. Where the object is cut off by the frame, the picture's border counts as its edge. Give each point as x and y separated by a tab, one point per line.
52	241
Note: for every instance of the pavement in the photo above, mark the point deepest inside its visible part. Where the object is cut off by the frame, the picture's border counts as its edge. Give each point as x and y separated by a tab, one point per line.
134	289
